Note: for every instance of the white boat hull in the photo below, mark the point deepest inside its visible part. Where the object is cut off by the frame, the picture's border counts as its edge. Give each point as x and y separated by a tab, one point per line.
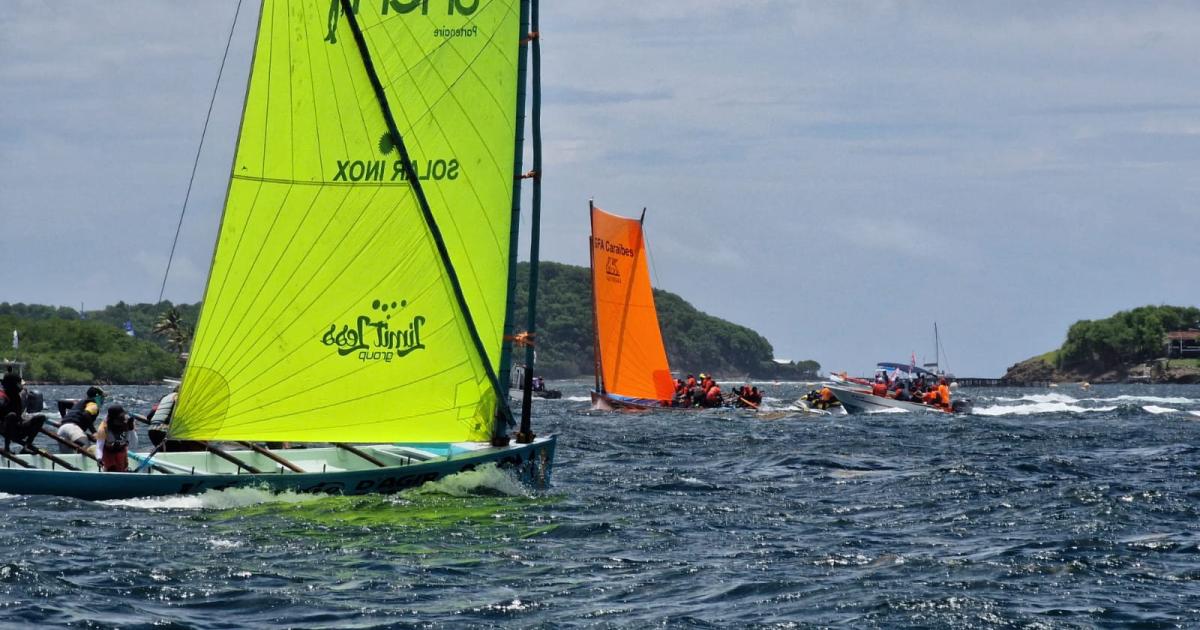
859	401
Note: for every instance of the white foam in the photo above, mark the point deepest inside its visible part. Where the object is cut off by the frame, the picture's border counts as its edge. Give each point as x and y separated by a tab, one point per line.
1041	407
465	484
1195	413
1042	398
888	410
1149	399
1157	410
579	398
7	496
215	499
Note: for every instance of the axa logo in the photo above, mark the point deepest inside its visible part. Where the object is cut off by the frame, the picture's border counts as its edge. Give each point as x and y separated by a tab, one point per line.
375	336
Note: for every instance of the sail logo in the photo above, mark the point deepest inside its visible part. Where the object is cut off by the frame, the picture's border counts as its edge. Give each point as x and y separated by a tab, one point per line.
405	7
375	337
612	268
453	7
382	170
612	248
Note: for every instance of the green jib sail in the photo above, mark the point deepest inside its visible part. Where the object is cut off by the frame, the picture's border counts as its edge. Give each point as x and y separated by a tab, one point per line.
329	314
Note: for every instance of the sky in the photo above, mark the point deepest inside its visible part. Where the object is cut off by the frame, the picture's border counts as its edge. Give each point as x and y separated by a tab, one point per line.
835	175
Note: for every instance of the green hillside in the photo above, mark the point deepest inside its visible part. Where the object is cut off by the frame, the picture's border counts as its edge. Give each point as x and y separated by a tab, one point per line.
695	341
1129	344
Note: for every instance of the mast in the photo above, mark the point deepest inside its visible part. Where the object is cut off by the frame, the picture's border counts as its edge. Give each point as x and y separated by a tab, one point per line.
426	212
598	365
525	434
500	426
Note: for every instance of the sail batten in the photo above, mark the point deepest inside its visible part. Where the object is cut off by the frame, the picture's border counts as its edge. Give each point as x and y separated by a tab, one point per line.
333	312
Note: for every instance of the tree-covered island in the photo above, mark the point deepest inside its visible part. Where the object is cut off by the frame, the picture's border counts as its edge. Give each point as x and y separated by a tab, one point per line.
1156	344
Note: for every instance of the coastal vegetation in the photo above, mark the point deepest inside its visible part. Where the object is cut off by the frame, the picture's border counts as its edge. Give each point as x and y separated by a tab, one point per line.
695	341
1128	345
64	345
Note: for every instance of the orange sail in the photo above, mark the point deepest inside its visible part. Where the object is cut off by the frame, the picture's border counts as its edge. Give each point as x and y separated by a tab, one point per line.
629	347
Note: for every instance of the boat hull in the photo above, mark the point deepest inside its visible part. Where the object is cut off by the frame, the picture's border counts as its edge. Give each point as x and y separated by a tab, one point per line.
530	462
858	401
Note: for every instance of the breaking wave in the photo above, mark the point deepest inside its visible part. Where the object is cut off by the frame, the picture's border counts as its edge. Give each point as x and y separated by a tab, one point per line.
1037	408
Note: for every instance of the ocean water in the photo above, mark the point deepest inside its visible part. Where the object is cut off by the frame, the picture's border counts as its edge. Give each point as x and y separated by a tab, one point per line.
1047	508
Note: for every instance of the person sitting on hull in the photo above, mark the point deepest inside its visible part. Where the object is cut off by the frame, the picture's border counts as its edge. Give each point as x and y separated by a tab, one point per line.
79	422
114	438
900	391
160	417
939	396
755	396
16	425
880	387
712	397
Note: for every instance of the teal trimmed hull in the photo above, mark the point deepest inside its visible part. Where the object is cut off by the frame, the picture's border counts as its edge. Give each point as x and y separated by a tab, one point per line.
531	463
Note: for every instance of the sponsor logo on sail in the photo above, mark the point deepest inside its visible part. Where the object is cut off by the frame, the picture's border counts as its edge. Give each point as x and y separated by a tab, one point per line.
375	337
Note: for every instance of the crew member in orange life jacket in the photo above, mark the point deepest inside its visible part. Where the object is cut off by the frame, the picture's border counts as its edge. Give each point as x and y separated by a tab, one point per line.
880	387
940	396
712	395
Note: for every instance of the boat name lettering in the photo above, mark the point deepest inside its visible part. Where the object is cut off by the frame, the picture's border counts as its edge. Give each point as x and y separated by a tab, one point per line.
453	7
385	343
613	248
378	170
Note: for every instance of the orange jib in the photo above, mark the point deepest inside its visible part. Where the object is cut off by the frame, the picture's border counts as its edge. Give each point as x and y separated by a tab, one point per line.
632	358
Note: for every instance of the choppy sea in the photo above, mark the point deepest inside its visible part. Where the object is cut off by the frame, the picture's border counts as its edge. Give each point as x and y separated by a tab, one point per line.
1047	508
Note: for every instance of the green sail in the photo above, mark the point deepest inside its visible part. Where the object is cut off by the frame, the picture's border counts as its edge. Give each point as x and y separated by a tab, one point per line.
329	314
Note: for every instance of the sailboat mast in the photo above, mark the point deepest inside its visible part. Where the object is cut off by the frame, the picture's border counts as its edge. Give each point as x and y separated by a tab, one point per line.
598	366
500	427
426	213
525	433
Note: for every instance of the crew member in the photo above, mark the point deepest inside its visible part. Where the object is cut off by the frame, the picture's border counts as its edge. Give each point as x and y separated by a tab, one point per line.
712	396
15	424
880	387
114	438
79	423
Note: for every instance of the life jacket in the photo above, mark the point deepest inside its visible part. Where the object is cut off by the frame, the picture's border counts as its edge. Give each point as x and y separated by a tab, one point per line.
879	388
82	415
943	392
116	448
713	393
826	394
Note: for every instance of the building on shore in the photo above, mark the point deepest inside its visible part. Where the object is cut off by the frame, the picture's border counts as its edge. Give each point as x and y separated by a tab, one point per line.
1183	344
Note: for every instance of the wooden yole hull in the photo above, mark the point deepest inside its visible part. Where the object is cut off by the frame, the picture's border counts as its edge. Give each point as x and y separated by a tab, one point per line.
327	470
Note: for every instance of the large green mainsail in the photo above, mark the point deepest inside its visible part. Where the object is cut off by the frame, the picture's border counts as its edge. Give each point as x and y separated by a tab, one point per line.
329	314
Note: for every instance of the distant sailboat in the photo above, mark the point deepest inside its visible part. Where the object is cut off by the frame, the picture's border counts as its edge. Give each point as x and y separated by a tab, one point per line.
360	286
630	359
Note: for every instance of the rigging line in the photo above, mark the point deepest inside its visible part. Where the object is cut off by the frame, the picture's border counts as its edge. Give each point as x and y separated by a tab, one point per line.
196	162
500	392
650	257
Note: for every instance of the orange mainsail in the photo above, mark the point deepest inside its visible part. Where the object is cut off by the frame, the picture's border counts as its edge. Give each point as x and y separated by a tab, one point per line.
629	344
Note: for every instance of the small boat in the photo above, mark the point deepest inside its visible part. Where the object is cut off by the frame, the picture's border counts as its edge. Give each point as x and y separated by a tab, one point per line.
859	401
630	359
856	396
358	298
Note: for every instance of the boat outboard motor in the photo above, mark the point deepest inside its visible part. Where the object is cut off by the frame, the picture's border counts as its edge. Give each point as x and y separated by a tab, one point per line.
962	405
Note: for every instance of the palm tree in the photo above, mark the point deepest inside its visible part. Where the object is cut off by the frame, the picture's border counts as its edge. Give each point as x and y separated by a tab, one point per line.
172	326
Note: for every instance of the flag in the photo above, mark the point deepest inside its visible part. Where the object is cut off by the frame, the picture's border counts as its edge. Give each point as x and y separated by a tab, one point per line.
16	341
913	360
129	328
